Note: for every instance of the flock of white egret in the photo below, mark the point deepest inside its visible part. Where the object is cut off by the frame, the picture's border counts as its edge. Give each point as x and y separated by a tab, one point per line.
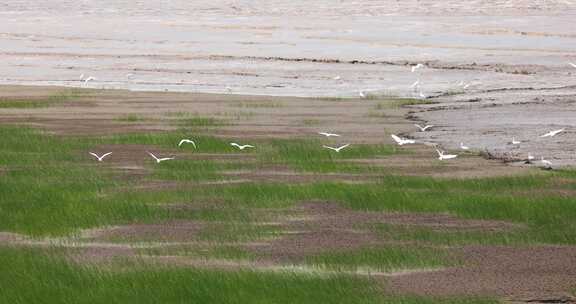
161	159
443	156
416	86
399	140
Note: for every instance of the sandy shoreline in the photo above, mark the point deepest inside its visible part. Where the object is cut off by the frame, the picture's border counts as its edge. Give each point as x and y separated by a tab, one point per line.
253	48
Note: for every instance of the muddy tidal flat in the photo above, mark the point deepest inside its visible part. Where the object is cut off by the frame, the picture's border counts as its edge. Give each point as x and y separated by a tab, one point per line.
122	179
512	54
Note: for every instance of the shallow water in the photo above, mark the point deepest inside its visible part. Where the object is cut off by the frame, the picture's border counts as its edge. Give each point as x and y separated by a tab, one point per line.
245	46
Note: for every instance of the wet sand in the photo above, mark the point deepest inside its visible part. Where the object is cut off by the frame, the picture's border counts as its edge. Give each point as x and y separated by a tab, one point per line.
278	48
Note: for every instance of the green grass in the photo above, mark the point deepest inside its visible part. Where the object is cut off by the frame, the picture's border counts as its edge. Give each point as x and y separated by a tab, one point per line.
46	191
309	155
59	98
226	252
46	188
27	276
548	218
130	118
201	122
376	114
168	140
239	232
188	170
334	99
453	237
190	120
381	259
400	102
311	122
254	104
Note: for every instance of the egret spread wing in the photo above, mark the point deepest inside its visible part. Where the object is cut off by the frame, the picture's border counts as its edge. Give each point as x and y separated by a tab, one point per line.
153	156
396	138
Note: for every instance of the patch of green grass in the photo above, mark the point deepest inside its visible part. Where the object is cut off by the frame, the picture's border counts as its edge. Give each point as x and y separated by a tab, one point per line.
309	155
381	259
255	104
334	98
429	236
201	122
226	252
376	114
549	218
168	140
180	114
238	115
193	120
130	118
47	191
188	170
29	277
453	92
46	188
240	232
311	122
65	96
400	102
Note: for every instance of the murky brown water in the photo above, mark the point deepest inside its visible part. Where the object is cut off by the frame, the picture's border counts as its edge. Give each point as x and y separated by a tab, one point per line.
211	45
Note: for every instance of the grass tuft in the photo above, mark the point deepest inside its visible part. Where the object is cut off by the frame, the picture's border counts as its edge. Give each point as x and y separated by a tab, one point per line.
401	102
130	118
56	99
309	155
381	259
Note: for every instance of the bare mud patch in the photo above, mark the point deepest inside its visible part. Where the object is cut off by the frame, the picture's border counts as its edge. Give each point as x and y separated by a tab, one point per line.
172	231
318	227
512	272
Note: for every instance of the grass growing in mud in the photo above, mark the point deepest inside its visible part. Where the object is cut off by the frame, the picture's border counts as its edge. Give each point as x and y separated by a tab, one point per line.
130	118
309	155
400	102
380	259
452	237
201	122
31	277
169	140
548	219
256	104
216	251
28	277
48	190
28	103
239	232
